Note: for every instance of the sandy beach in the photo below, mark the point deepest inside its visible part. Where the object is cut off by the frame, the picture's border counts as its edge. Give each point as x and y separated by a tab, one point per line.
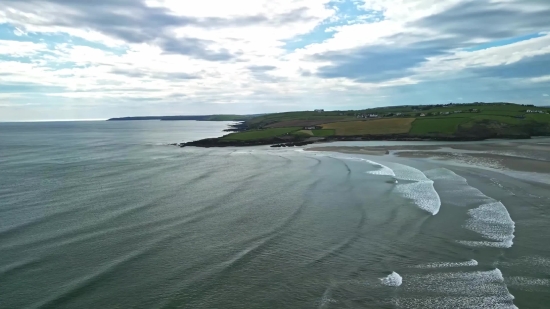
524	156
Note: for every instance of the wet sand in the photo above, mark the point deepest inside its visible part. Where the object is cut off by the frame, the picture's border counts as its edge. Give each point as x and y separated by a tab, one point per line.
524	156
354	150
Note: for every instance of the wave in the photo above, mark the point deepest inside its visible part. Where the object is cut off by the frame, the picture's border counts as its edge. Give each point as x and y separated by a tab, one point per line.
80	285
469	263
527	282
348	169
419	188
494	223
491	219
529	261
456	188
478	289
326	298
393	279
382	171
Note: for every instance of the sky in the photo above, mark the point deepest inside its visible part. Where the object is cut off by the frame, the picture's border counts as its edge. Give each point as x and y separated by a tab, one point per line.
82	59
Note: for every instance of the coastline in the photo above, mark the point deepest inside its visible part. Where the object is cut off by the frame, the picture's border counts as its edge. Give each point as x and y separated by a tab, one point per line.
520	156
221	142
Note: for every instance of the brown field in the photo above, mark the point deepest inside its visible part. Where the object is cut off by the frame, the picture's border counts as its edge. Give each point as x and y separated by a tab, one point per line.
380	126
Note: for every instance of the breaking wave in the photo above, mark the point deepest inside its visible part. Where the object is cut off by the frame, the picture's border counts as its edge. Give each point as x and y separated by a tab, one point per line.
469	263
490	219
393	279
478	289
418	187
493	222
382	171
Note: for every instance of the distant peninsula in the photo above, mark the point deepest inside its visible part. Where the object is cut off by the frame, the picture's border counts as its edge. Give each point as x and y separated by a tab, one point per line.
444	122
196	118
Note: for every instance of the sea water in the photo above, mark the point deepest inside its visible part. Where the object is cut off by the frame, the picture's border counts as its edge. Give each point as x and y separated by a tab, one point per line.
107	214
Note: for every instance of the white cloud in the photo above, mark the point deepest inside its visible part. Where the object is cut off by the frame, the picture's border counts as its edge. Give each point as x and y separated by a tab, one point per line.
545	95
540	79
214	51
21	49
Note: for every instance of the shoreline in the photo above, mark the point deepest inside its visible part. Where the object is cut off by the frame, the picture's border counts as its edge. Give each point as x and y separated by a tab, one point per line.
220	142
510	155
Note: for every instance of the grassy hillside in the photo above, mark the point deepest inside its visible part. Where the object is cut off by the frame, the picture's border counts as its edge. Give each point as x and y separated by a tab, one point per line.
379	126
468	121
435	125
260	134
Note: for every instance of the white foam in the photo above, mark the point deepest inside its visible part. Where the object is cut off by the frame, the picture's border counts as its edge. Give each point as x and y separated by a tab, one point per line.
478	289
469	263
527	282
420	188
494	223
393	279
382	171
326	298
423	194
491	219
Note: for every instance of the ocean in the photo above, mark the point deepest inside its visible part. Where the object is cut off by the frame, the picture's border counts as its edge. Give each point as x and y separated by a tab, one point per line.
108	215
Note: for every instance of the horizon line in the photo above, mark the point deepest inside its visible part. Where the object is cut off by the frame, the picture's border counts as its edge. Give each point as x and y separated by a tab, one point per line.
54	120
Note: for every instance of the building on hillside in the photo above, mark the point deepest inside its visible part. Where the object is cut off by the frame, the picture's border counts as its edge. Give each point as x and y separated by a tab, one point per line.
312	127
372	115
319	110
422	115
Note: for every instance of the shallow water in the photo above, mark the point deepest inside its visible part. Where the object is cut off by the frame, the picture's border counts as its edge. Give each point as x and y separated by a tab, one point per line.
104	214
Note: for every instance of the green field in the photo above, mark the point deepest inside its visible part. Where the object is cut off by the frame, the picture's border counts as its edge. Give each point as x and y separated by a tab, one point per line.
260	134
502	119
323	132
443	125
498	118
539	117
379	126
305	118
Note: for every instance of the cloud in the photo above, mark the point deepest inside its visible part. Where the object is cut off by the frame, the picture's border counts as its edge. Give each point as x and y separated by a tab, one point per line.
261	68
136	22
376	63
526	68
545	95
184	56
488	20
436	40
140	73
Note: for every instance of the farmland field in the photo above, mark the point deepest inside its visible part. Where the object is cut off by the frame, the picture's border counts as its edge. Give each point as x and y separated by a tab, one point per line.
503	119
444	125
381	126
260	134
322	132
